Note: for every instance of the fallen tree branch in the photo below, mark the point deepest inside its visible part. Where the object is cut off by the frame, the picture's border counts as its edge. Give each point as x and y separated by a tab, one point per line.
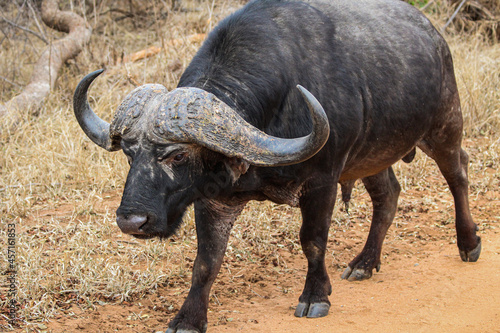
154	50
46	69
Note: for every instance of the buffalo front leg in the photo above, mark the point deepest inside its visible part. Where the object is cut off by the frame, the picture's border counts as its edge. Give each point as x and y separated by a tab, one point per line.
384	192
214	221
316	205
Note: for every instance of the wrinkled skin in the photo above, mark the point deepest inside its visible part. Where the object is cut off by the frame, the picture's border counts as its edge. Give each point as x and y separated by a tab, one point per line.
147	185
384	77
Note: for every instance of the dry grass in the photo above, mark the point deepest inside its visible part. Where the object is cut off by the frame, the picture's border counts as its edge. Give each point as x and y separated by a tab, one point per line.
61	190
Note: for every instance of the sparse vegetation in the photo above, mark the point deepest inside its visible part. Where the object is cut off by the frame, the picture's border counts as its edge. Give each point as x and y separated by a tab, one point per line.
61	190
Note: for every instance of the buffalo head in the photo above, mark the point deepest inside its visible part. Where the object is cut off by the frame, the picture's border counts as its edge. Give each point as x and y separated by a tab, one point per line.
175	140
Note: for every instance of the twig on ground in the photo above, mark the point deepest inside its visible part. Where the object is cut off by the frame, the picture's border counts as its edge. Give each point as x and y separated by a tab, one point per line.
427	5
34	33
39	26
10	82
453	16
28	185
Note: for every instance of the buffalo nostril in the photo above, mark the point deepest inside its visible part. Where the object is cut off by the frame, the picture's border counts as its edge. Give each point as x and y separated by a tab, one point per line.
131	224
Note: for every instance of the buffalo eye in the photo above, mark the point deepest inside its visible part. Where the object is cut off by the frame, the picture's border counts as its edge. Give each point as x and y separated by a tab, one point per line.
179	157
175	158
129	160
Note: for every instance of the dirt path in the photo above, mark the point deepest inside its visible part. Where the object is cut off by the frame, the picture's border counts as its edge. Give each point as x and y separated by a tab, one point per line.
440	294
423	286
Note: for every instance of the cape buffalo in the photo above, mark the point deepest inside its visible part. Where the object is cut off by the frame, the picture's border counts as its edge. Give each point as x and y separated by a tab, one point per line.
376	80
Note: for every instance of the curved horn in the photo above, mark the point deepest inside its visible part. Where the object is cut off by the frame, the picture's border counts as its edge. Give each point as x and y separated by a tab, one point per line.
95	128
194	115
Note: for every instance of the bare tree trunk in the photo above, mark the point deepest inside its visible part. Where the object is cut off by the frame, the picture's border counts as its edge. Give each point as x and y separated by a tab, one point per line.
46	70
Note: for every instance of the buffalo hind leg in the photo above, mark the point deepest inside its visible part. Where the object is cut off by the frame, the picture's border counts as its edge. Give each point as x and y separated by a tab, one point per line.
384	192
443	144
452	163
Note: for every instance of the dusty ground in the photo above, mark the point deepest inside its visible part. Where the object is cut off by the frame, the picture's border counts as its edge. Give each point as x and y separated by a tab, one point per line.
430	291
423	286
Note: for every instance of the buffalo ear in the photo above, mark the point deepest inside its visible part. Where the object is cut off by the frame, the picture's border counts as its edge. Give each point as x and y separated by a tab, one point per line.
236	167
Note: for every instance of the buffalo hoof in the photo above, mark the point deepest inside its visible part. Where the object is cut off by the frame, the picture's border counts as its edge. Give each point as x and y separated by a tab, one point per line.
181	330
357	274
472	255
314	310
